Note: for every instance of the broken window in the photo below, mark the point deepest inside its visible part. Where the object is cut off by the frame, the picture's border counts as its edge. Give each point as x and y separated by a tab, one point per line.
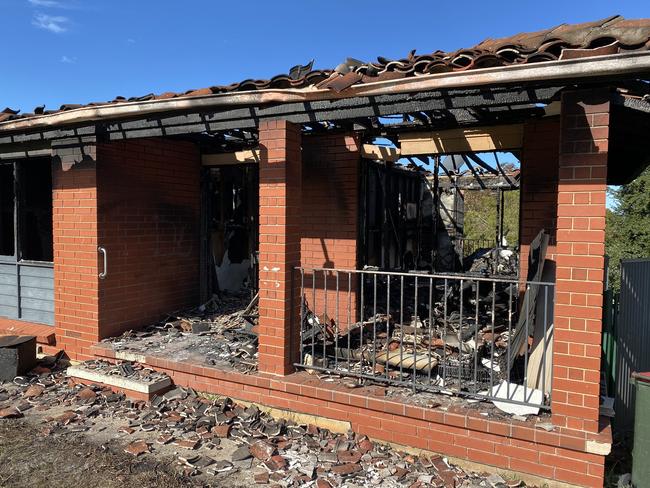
7	198
445	213
36	210
26	192
232	208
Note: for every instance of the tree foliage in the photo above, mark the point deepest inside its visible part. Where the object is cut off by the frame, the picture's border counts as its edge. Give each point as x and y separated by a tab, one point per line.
481	216
628	225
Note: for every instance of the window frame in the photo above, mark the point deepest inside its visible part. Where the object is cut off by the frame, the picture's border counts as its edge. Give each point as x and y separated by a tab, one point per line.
17	258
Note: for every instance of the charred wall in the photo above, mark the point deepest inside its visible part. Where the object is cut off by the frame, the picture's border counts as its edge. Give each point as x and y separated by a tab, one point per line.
148	221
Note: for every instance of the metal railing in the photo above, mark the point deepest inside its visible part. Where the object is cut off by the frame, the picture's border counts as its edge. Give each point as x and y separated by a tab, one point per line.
484	337
465	247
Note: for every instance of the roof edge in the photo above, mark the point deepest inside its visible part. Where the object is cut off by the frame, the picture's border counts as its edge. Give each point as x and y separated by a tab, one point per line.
571	69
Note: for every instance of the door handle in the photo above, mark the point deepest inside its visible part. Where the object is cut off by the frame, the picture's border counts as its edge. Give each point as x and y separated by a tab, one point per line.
103	274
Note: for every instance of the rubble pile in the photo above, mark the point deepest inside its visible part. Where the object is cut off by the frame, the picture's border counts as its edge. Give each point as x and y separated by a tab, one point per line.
461	344
126	369
491	262
219	332
467	334
437	350
201	430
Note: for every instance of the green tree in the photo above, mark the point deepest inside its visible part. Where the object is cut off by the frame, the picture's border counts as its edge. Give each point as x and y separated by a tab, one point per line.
628	225
481	215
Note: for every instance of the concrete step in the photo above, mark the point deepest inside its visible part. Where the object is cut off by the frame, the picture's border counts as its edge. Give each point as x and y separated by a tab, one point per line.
134	388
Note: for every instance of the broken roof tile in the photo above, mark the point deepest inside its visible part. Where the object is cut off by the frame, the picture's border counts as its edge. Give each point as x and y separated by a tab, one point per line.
566	41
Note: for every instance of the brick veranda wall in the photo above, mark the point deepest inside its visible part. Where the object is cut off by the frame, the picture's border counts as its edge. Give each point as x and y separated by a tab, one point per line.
564	183
459	432
74	223
148	212
538	190
329	221
582	187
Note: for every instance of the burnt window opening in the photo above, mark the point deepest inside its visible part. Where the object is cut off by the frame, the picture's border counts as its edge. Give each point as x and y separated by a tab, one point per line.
232	210
446	213
35	210
26	192
7	205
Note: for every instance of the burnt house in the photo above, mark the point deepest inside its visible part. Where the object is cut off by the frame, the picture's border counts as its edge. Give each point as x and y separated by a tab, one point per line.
332	202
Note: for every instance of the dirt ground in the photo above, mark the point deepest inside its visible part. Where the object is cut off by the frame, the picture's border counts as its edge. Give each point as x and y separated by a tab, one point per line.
30	459
74	435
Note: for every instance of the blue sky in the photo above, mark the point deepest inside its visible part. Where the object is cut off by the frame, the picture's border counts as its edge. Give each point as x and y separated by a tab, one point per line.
76	51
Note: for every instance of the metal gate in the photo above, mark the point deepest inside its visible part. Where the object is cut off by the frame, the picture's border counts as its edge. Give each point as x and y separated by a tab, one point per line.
633	342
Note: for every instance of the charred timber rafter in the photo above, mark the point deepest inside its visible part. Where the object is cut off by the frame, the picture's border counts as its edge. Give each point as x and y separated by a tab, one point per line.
335	110
458	106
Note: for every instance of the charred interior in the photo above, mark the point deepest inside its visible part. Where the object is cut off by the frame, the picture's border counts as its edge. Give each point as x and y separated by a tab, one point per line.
231	211
427	216
440	303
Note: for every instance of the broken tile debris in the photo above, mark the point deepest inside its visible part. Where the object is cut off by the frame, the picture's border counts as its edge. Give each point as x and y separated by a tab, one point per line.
275	452
137	447
219	332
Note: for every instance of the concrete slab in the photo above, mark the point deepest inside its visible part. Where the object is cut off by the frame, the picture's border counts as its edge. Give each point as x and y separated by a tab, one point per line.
121	382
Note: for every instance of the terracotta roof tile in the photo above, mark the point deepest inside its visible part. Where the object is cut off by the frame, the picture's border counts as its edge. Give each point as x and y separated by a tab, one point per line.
607	36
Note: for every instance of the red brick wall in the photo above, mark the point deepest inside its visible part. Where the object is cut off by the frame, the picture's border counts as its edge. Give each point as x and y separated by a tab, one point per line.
279	243
76	285
149	211
539	176
580	258
329	224
460	432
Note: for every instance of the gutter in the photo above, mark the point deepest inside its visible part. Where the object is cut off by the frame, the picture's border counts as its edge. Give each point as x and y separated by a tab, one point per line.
633	63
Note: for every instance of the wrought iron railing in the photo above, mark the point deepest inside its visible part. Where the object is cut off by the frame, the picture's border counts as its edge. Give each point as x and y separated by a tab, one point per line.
483	337
465	247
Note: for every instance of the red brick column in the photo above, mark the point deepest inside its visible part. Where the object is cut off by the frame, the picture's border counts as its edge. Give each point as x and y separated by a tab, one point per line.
279	243
330	220
538	195
580	258
74	221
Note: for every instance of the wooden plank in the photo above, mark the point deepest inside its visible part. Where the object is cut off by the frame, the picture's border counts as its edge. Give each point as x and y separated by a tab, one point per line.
36	271
8	279
380	153
38	316
496	138
9	290
36	282
7	311
36	304
239	157
38	293
9	300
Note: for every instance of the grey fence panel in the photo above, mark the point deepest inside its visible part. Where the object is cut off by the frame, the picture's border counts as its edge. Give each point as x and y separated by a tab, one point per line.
633	343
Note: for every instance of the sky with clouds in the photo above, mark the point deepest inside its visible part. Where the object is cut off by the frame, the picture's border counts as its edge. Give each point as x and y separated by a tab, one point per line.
77	51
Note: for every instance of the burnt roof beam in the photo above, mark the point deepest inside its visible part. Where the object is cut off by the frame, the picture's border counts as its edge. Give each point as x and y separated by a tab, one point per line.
349	109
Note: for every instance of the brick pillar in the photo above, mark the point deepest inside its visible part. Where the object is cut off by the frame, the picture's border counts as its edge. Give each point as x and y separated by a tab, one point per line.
74	222
538	195
580	258
279	243
330	220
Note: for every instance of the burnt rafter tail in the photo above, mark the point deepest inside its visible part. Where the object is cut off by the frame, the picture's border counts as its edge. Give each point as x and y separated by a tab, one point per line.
336	110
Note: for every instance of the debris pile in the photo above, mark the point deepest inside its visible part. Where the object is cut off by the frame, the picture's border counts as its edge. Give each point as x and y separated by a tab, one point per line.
220	332
215	438
464	334
492	262
126	369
